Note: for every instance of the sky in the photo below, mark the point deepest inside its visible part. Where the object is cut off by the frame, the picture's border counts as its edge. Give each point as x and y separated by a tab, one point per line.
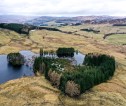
63	7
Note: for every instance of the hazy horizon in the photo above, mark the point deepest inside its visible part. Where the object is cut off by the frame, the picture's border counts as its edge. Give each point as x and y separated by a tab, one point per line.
63	8
61	16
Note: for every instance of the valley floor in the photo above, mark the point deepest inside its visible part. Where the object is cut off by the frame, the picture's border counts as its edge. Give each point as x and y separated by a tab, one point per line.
36	91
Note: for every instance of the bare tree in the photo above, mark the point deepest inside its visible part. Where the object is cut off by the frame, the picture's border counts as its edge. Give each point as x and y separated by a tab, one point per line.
72	89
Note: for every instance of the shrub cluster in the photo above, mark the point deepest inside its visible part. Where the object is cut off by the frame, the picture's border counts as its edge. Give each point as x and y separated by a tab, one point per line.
45	64
16	59
65	52
39	66
50	71
54	77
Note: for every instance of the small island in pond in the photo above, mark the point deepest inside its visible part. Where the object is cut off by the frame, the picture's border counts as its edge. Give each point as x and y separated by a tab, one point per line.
15	59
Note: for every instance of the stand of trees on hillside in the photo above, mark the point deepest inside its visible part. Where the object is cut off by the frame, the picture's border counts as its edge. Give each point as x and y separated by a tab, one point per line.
23	28
97	68
19	28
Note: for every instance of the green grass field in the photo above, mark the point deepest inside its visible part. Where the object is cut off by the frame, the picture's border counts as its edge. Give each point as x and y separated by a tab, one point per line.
119	39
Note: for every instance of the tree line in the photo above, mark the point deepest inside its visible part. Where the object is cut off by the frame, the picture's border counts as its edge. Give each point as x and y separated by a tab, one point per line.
90	30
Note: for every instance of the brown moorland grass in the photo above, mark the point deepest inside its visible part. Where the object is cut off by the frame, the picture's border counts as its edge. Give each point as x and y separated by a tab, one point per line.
36	91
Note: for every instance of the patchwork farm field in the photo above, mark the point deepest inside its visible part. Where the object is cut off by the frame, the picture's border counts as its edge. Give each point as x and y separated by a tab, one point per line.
37	91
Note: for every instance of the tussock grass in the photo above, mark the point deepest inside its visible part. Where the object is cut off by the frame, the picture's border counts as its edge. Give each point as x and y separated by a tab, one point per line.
37	91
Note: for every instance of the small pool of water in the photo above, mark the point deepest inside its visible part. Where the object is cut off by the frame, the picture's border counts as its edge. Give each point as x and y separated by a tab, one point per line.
8	72
78	58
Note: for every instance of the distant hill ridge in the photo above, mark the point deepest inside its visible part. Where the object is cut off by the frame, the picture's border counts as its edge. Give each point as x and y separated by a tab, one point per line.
79	19
41	20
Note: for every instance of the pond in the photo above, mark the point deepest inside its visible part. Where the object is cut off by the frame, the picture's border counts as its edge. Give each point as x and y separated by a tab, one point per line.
78	58
8	72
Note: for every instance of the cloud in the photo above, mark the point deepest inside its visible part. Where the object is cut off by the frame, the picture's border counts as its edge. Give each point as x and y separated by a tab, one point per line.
63	7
